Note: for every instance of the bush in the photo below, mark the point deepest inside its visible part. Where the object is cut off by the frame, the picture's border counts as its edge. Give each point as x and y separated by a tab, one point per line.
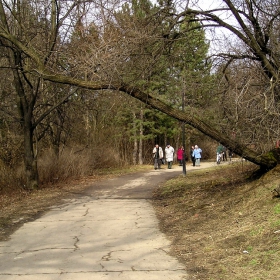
11	179
73	163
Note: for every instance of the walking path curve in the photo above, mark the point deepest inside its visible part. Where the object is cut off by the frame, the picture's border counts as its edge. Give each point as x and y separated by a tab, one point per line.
109	232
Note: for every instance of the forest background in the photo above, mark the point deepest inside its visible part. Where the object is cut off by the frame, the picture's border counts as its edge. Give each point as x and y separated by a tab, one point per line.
95	84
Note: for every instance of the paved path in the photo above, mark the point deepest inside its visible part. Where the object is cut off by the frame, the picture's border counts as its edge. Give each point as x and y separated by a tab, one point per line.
108	232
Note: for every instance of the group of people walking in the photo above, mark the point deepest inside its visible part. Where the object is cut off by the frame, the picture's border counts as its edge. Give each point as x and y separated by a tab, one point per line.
159	158
195	154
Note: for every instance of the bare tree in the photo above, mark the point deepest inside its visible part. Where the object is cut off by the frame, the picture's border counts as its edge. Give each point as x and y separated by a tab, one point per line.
115	50
28	22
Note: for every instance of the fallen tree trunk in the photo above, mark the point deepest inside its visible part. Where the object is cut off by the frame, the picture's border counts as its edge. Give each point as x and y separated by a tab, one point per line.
266	162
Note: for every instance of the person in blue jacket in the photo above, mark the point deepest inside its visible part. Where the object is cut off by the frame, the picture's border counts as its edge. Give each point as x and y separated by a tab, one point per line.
197	155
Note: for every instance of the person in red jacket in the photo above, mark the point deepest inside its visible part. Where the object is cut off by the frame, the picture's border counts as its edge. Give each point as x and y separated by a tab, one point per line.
180	154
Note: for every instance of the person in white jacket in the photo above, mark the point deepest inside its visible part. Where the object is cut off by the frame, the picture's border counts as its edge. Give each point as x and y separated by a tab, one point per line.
169	154
158	156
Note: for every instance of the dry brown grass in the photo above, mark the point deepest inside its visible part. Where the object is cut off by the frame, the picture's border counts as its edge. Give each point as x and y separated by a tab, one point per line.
222	224
71	164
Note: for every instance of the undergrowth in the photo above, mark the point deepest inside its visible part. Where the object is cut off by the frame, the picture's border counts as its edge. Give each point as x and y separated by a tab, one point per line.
222	223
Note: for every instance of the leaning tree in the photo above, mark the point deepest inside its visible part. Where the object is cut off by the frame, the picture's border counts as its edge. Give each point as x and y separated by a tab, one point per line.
107	62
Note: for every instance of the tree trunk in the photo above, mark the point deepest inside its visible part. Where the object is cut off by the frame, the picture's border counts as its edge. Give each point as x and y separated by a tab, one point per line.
56	137
134	156
266	162
30	159
25	108
141	132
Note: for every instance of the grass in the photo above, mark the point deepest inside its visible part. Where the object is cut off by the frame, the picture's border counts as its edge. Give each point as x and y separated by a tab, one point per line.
277	209
222	223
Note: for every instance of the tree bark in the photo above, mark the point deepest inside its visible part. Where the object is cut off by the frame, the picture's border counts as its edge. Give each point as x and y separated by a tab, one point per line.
30	159
134	155
141	133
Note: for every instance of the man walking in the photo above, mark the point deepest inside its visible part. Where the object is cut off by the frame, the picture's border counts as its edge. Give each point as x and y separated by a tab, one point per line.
158	156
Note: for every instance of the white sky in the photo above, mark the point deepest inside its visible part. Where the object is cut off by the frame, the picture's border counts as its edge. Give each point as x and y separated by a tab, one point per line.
220	39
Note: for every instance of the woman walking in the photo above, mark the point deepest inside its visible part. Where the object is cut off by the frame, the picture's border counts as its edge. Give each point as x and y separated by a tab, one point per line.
180	154
197	155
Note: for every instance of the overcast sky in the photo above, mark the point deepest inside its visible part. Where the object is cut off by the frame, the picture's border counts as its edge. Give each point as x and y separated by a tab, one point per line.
220	38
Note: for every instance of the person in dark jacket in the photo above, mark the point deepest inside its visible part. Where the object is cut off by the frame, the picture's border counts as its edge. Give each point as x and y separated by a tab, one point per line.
191	155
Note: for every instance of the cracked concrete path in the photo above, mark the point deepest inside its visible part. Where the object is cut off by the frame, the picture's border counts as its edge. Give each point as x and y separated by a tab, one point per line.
108	232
